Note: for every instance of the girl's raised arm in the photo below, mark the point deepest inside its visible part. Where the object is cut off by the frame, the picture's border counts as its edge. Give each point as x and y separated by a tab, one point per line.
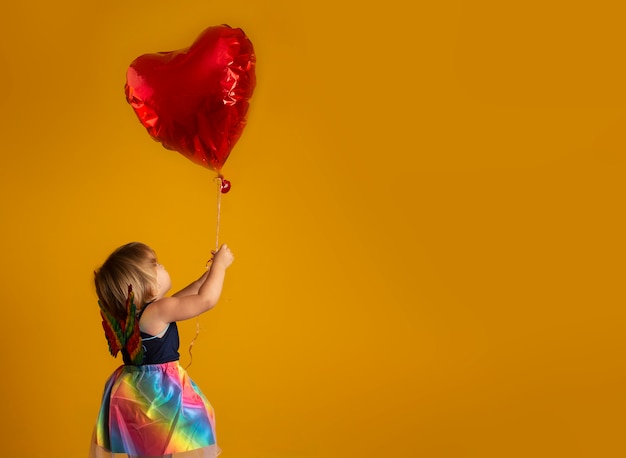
189	303
194	287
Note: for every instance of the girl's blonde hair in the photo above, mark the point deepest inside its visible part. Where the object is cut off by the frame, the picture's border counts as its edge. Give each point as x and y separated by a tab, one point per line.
133	264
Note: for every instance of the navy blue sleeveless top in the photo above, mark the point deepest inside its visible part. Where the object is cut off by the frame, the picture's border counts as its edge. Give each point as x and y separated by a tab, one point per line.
158	350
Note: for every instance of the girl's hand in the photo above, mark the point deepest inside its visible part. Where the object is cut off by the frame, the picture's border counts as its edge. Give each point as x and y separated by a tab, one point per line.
223	257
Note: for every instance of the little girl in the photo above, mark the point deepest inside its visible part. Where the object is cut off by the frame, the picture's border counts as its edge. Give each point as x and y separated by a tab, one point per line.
150	406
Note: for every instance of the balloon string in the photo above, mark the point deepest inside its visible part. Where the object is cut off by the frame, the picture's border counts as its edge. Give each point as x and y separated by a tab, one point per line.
218	180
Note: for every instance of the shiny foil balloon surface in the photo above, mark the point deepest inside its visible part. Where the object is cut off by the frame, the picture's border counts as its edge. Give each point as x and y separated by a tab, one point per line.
195	100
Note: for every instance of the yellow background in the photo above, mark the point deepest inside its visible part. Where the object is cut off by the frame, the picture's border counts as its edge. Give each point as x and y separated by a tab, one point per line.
427	216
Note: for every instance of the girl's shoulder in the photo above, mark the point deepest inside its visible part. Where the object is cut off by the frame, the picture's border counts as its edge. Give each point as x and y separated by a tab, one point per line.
151	319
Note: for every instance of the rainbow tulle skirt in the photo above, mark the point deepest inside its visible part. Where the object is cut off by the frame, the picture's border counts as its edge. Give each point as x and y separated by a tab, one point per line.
154	410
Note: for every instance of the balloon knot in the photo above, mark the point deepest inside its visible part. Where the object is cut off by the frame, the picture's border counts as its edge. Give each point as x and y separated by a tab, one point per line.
224	184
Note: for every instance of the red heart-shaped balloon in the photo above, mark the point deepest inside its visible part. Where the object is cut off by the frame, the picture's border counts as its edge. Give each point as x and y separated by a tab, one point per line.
195	100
